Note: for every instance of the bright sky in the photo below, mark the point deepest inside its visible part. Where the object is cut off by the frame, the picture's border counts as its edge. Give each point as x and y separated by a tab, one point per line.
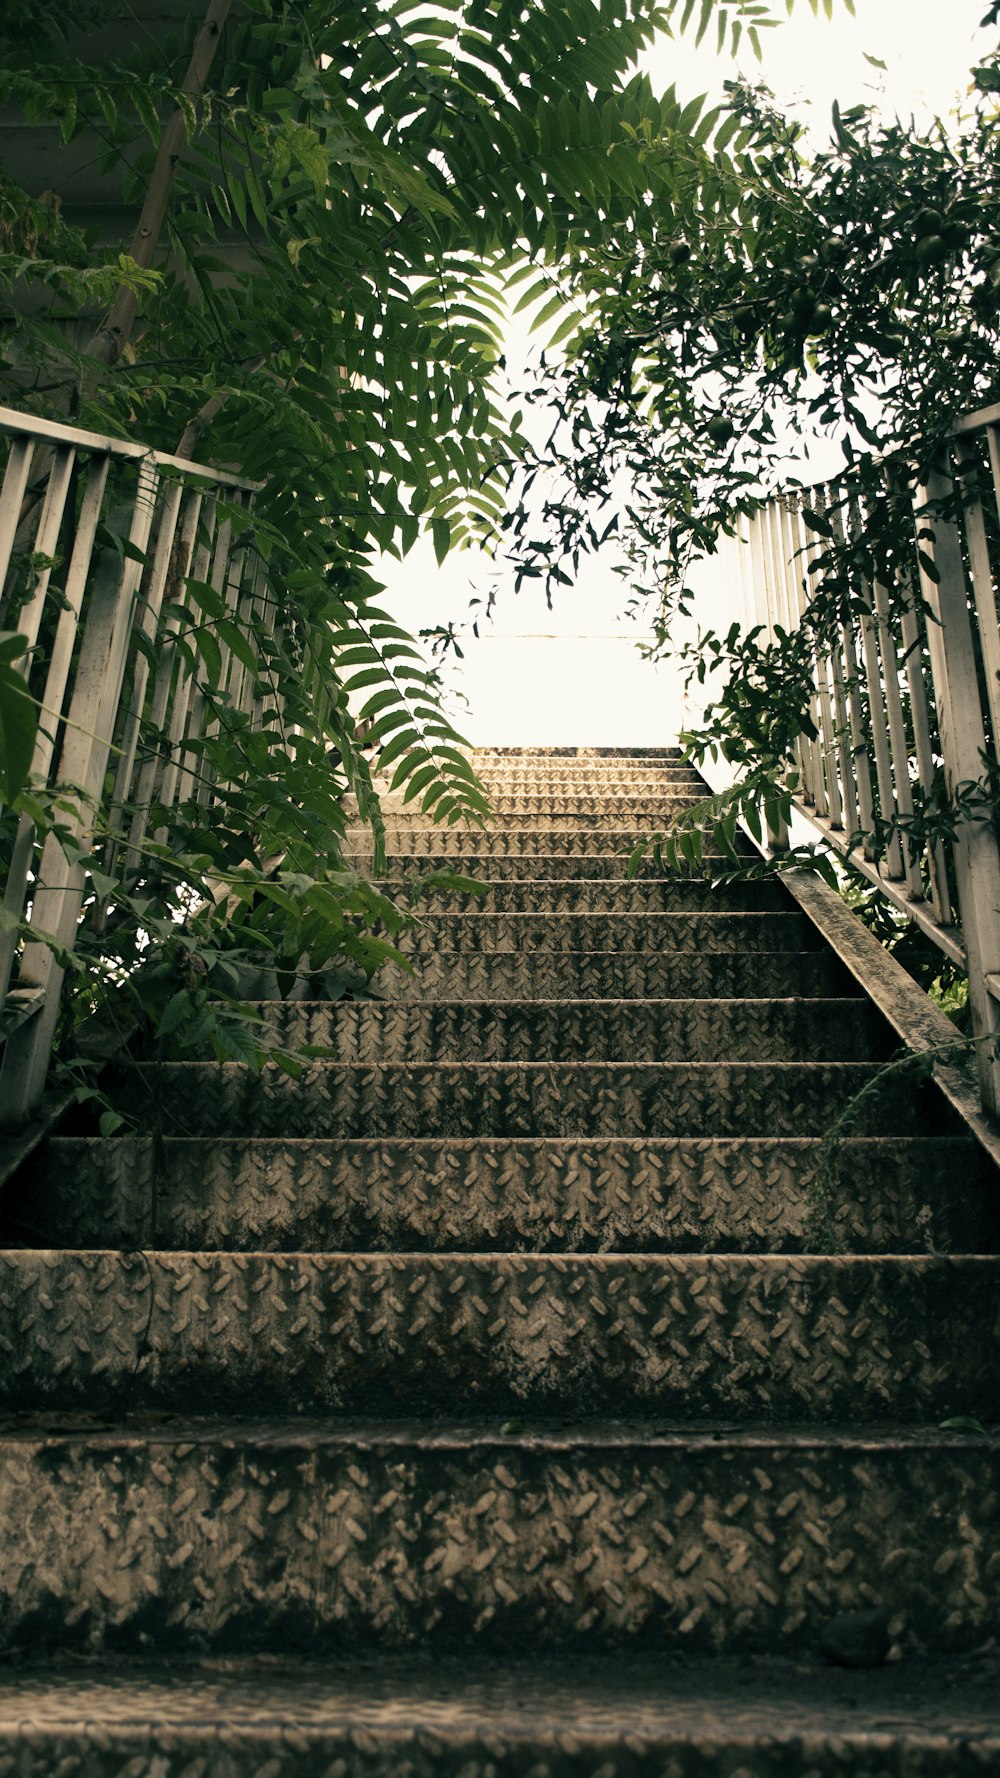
573	675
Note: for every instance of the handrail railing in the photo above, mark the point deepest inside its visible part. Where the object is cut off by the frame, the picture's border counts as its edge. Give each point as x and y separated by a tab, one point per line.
902	775
98	537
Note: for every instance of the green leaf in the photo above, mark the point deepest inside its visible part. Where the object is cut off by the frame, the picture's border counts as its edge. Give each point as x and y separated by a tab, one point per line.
441	531
18	728
207	646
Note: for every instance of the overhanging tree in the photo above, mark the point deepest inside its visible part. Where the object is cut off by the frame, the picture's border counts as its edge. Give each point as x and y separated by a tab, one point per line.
856	292
332	199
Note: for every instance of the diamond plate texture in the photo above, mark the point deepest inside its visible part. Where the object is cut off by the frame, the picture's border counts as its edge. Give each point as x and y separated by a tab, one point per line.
699	932
546	866
614	975
461	1719
600	896
542	755
583	1031
531	1099
578	815
744	1194
206	1535
509	807
477	1213
766	1337
633	775
510	842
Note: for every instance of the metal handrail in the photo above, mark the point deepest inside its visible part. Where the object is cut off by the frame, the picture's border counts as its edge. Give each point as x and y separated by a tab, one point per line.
119	733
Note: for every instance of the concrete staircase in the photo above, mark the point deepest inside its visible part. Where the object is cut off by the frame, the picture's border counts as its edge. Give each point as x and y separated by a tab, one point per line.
480	1404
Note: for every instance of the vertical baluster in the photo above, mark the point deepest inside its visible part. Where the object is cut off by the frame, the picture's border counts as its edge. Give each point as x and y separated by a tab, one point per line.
253	608
827	774
788	606
167	676
897	733
844	750
15	483
911	635
171	778
773	584
860	759
28	620
878	714
758	578
983	588
923	751
241	604
147	621
52	701
83	763
812	749
195	775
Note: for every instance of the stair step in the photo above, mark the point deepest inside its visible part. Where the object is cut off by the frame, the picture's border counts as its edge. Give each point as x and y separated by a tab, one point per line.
584	1030
531	1099
580	815
667	1194
542	755
697	932
759	1337
213	1535
590	780
608	771
587	807
539	867
517	842
615	974
513	1323
599	897
644	1717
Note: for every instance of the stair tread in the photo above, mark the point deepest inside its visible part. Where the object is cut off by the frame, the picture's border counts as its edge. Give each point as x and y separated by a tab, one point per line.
156	1532
506	1193
545	1433
508	1704
420	1353
626	1003
771	1336
537	1098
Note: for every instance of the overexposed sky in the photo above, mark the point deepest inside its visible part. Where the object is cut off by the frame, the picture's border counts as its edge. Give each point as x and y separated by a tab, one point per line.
928	47
573	675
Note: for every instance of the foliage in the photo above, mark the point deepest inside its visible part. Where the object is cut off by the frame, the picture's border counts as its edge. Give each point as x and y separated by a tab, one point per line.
946	983
358	177
764	298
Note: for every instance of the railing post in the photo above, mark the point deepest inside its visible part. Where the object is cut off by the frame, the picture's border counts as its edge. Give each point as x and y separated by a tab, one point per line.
59	890
963	747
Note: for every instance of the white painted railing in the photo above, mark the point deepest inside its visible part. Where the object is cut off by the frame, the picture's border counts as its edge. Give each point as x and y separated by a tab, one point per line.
907	698
97	539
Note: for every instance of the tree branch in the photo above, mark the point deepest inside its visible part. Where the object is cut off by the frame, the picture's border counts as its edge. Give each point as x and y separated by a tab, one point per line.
110	340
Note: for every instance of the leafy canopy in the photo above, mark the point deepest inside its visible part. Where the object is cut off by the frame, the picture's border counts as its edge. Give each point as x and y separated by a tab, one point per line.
323	311
767	295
